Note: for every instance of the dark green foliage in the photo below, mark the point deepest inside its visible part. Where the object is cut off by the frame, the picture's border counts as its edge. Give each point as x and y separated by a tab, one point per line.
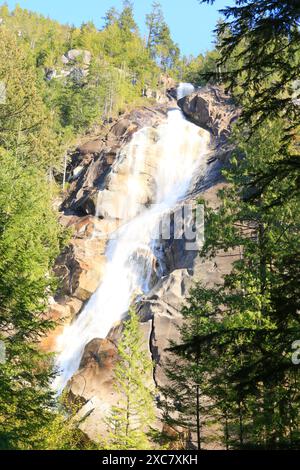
111	17
249	323
130	420
126	19
160	44
243	330
259	46
182	399
154	21
26	124
30	239
79	102
47	103
202	69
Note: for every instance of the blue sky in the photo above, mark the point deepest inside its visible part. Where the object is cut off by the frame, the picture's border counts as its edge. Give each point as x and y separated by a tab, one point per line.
191	24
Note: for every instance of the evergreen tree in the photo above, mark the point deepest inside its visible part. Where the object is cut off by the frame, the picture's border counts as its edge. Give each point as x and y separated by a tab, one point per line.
63	432
111	17
130	420
4	11
88	34
167	51
126	19
154	21
183	402
249	323
79	101
26	125
159	42
199	70
260	42
30	239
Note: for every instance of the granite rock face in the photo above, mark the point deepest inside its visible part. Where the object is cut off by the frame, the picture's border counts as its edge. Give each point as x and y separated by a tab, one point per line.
211	108
92	184
91	164
96	175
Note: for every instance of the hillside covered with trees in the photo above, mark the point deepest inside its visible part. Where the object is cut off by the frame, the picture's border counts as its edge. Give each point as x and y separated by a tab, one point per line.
238	344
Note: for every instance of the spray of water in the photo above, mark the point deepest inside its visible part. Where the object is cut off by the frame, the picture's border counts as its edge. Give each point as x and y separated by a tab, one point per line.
178	149
184	89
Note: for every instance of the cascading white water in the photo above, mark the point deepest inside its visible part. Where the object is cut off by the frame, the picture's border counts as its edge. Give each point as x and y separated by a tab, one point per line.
178	149
184	89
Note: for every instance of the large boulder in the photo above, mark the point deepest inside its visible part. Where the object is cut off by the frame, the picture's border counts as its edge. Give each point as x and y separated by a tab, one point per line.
77	55
80	267
93	386
124	126
94	382
211	108
90	147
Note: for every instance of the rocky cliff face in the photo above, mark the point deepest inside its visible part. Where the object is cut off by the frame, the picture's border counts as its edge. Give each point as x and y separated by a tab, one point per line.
211	108
96	191
91	175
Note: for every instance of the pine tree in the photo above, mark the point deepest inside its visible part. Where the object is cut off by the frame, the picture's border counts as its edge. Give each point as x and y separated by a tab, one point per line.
260	43
26	125
111	17
131	419
154	21
167	51
63	432
4	11
184	403
30	239
126	19
159	42
78	100
250	322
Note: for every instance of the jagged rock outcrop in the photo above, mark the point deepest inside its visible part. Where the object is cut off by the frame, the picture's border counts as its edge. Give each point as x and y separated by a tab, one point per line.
97	175
95	373
75	63
93	385
81	265
211	108
74	55
93	159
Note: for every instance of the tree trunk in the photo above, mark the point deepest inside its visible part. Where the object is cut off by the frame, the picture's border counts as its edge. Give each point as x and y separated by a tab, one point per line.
241	426
198	419
65	171
226	431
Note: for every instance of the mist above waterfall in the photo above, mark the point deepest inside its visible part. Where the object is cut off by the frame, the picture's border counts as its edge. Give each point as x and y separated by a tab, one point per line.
178	149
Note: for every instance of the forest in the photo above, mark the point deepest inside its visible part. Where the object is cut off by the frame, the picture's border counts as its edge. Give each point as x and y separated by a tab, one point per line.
234	367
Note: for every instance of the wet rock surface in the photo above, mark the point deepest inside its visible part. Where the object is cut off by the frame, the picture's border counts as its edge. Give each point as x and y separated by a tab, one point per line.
90	211
211	108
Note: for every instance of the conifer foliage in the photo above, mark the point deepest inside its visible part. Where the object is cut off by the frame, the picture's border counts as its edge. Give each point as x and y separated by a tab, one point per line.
242	330
131	419
259	62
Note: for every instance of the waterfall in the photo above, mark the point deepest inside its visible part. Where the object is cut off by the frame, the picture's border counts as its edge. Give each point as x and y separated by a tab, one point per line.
184	89
178	149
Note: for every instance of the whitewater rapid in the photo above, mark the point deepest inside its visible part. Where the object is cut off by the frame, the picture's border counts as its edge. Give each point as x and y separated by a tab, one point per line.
179	150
